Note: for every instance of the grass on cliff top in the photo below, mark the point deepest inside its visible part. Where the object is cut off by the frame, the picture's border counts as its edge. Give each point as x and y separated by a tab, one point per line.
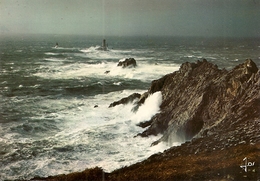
215	165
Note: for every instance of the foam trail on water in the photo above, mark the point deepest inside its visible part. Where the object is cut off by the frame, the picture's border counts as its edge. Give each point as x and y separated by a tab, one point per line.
143	71
51	53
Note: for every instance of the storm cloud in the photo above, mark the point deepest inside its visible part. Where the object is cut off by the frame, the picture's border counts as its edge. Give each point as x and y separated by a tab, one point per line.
131	18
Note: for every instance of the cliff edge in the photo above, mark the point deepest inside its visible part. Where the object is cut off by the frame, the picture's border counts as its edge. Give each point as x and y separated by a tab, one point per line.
200	97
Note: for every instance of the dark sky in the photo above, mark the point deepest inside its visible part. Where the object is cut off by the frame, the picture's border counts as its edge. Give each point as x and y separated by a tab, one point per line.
132	17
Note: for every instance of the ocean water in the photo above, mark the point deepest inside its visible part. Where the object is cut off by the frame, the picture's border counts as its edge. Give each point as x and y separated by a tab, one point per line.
49	122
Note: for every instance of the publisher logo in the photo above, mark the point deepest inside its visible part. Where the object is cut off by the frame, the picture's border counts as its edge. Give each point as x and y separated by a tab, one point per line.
247	164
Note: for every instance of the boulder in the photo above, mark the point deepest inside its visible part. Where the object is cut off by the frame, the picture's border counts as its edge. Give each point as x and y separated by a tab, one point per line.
128	62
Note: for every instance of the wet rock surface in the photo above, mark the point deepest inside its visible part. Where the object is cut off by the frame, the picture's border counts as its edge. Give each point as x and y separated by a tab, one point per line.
128	62
215	113
126	100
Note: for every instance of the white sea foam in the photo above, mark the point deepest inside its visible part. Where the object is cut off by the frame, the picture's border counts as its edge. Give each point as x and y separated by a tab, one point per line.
121	60
54	59
51	53
94	53
149	108
144	71
89	136
65	48
117	83
90	49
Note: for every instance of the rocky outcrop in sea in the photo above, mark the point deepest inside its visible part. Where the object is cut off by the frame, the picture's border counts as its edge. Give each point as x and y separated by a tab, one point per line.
214	112
128	62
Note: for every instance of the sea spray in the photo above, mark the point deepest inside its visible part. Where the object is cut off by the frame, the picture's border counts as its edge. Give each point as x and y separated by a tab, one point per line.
89	136
150	107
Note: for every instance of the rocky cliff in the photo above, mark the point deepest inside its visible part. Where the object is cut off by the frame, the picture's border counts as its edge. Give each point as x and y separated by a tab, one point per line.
214	112
200	97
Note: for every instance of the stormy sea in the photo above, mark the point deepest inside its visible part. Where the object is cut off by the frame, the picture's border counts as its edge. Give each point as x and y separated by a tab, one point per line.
54	115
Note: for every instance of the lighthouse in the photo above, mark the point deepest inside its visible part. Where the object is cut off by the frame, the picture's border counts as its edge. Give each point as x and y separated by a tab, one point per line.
104	45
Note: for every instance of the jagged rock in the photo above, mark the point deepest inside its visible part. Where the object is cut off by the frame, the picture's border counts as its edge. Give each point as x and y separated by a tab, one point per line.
131	98
200	96
126	100
144	124
157	85
143	98
128	62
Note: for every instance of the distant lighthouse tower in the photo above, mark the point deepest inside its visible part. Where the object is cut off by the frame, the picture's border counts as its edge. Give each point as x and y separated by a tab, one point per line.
104	45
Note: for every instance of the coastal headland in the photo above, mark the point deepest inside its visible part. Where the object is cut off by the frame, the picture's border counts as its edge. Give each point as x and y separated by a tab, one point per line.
214	112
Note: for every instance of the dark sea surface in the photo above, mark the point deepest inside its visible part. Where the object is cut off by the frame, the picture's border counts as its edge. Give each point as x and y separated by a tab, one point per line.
48	123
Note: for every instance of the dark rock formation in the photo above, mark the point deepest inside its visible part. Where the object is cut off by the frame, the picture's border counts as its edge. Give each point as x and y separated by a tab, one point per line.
128	62
126	100
200	96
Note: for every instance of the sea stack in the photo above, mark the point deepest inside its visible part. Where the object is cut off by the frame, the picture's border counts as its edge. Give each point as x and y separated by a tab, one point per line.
128	62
